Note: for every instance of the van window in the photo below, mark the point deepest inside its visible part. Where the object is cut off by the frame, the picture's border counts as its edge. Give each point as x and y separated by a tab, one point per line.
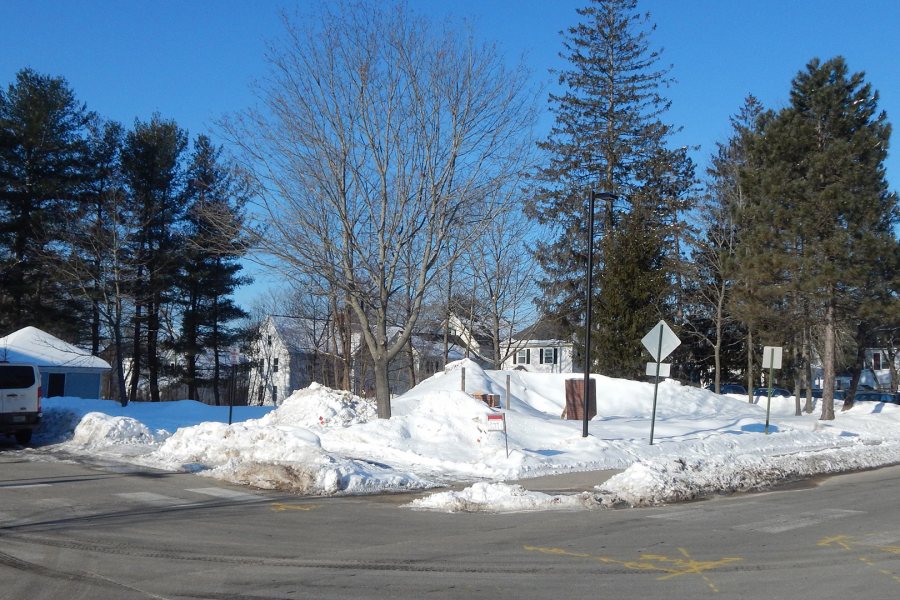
16	376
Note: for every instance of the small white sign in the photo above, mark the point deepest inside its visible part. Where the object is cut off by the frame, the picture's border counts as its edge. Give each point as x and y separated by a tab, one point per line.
664	369
772	357
496	422
660	341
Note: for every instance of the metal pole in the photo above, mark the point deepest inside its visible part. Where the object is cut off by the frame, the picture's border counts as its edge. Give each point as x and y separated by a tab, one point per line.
231	395
656	385
508	398
587	315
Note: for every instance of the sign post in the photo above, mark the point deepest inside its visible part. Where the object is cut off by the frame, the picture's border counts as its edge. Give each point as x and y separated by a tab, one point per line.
771	361
659	342
497	422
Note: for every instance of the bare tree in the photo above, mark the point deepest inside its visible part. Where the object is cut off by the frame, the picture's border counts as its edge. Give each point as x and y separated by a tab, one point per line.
504	270
380	137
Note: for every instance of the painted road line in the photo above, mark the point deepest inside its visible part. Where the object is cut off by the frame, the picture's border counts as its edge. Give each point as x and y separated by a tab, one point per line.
226	494
869	555
281	506
806	519
665	567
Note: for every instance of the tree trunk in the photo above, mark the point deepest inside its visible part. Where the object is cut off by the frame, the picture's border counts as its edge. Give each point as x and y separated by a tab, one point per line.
828	364
217	365
750	365
717	346
120	358
892	366
412	364
382	387
447	317
347	340
153	347
857	368
798	381
807	370
136	354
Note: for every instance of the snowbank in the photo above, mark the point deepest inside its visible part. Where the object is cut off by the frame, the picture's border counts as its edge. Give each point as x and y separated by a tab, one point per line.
327	442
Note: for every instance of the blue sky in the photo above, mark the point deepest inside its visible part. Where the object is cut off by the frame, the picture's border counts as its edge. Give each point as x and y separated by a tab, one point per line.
194	61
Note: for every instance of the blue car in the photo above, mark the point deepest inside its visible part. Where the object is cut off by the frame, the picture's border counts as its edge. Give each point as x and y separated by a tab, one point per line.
870	396
776	391
729	388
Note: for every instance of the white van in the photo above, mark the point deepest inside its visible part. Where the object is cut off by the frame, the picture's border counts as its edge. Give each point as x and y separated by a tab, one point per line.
20	400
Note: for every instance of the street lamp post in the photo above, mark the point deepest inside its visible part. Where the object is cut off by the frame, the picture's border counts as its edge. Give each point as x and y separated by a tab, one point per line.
588	295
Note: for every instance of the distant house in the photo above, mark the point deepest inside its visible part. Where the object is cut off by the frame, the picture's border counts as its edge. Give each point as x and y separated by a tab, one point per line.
288	354
539	349
66	370
420	359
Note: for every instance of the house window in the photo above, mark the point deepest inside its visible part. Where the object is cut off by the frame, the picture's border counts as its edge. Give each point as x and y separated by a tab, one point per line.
876	360
548	356
523	357
275	365
274	394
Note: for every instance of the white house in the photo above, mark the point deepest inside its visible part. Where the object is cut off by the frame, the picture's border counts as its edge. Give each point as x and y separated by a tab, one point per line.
288	354
66	370
540	352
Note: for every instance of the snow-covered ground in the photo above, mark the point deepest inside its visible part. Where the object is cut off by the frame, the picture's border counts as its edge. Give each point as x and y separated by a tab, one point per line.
327	442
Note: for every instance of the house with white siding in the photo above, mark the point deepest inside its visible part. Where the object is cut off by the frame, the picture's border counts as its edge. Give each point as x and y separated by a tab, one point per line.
539	351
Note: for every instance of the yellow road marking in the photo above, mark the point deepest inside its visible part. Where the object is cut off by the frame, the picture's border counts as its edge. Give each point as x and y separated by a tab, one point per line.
281	507
850	545
658	563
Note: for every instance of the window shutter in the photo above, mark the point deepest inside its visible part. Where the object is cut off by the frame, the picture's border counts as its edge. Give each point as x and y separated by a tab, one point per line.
515	357
556	356
540	356
528	356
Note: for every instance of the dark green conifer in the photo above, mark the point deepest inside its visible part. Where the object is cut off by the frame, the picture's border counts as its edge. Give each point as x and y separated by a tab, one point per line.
609	136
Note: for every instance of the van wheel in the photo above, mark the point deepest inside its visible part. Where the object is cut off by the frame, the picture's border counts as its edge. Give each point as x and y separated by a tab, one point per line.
23	436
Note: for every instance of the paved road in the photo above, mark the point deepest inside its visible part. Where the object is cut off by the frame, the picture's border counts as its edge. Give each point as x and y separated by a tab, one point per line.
95	532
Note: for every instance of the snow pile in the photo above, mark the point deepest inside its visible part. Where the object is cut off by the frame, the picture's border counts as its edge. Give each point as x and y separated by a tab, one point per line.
501	497
97	429
664	481
318	405
326	442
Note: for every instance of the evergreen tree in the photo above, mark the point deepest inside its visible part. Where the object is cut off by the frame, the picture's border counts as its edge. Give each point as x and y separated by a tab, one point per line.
820	220
608	136
152	159
210	269
42	150
712	318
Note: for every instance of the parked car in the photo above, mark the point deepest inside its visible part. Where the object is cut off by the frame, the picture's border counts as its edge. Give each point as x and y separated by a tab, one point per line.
20	400
871	396
776	391
729	388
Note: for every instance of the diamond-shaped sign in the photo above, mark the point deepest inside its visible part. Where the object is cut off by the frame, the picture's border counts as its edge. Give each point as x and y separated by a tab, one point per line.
660	341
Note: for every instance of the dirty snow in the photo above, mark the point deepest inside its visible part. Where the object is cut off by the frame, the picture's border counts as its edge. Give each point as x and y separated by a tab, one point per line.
327	442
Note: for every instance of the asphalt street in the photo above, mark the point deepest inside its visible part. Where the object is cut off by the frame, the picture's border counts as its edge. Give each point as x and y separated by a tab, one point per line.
72	530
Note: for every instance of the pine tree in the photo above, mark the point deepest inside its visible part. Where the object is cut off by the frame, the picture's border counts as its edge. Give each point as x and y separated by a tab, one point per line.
608	136
821	217
42	150
210	269
154	174
715	288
